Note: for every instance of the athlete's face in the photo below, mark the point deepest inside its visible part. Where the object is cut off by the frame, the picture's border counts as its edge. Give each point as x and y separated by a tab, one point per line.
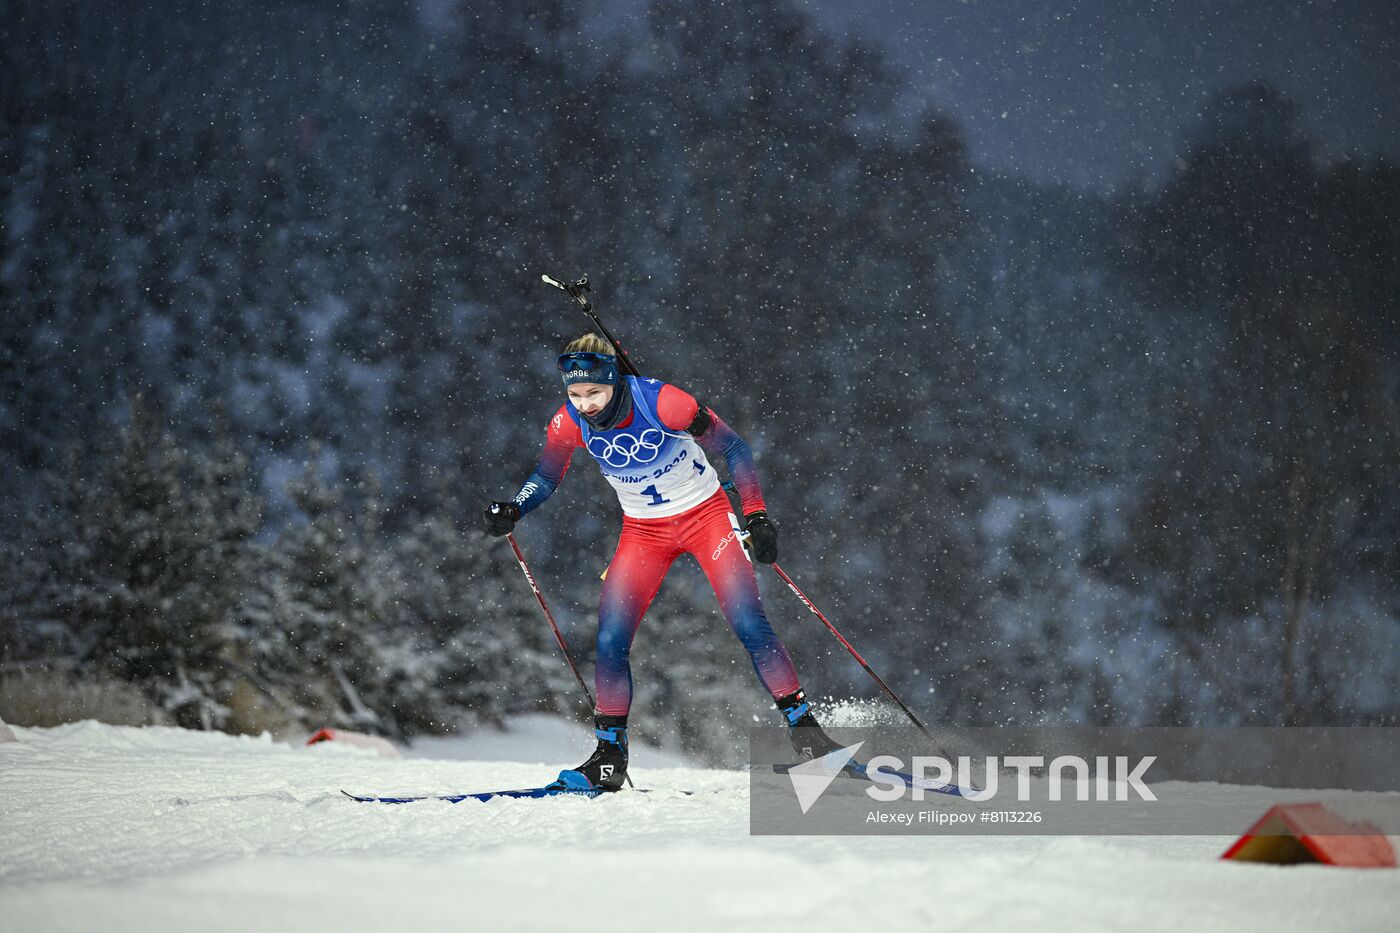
590	397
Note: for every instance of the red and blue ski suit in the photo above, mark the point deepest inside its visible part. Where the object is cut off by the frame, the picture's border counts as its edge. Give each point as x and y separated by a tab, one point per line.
672	504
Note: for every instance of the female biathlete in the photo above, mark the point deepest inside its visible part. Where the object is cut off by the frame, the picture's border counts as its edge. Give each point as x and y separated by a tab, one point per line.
644	433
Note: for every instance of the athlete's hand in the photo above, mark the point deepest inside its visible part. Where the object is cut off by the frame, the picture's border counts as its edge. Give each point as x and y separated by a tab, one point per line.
763	537
501	517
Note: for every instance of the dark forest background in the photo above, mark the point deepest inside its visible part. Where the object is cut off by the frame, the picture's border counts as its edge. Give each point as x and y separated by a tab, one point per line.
272	333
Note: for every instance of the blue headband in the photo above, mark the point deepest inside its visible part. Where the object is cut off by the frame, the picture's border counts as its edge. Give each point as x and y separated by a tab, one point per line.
588	367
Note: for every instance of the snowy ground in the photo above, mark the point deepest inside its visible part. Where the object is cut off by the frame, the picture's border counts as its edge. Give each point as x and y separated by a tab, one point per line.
114	828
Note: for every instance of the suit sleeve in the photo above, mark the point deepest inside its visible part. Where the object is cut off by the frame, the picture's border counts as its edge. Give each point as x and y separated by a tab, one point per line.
677	410
561	437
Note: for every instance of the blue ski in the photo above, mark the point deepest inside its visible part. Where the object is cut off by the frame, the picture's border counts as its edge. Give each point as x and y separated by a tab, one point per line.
569	784
525	792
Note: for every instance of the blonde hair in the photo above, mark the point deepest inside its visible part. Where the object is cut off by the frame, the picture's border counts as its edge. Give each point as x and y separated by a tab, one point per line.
590	343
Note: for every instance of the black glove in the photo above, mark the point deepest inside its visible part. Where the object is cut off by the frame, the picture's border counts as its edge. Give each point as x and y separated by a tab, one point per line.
763	537
501	517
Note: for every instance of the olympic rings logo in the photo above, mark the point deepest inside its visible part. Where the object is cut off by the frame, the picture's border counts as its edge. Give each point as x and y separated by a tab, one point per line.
624	449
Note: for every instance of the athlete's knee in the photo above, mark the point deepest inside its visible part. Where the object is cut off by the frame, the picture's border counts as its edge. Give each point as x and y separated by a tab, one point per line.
614	642
753	630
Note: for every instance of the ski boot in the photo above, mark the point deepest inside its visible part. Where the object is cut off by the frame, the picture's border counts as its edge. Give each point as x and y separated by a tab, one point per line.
807	736
606	768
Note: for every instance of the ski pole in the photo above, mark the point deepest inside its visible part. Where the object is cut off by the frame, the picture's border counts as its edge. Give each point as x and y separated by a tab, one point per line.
732	492
558	636
855	654
554	626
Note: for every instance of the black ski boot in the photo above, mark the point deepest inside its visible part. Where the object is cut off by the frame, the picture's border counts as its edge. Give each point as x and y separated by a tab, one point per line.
606	768
806	734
